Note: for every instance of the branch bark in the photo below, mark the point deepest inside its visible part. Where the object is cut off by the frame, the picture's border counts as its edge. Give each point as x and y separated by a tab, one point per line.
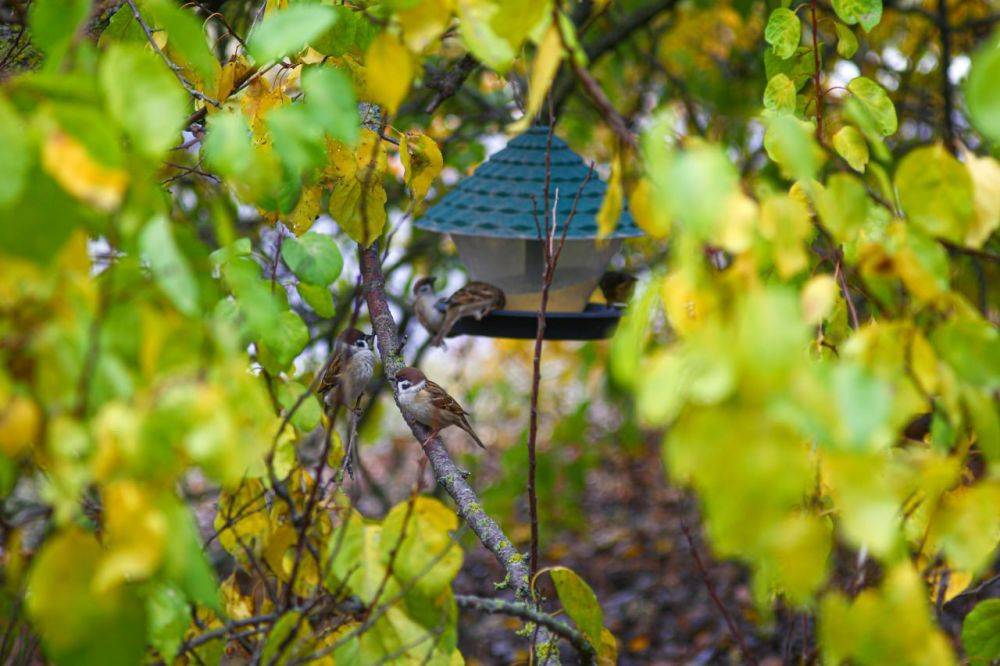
448	475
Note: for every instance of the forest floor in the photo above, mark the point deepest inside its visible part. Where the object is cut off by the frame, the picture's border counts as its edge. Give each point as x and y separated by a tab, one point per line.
635	555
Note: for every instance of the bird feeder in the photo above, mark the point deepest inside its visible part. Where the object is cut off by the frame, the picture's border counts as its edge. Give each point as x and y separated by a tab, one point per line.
491	218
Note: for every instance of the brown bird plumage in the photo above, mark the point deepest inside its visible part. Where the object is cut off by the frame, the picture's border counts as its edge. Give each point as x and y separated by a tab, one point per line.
617	287
476	299
349	370
430	404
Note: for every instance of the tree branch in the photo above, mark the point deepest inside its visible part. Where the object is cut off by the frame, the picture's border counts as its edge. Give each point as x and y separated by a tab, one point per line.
526	612
448	475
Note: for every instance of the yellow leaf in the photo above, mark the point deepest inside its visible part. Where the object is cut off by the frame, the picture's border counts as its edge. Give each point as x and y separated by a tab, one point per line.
785	222
357	195
735	232
390	70
20	421
985	172
543	71
257	100
652	218
818	298
306	210
67	161
611	207
422	161
687	306
135	532
424	22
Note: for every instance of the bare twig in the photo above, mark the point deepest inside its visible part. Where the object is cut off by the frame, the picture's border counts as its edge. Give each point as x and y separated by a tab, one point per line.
703	571
174	67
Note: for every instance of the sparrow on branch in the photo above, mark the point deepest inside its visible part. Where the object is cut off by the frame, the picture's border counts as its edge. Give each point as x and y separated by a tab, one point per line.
476	299
425	303
349	371
429	404
617	287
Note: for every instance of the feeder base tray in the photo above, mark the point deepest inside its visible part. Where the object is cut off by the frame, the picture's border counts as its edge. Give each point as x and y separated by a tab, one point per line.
596	322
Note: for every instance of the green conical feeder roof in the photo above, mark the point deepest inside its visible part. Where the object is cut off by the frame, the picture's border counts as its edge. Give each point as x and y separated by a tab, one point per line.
496	200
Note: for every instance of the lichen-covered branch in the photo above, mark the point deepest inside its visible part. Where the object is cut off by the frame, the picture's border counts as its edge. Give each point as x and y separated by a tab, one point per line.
447	473
526	612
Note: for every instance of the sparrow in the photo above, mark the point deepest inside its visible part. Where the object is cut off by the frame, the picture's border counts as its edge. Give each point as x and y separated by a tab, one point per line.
476	299
429	404
425	303
617	287
349	371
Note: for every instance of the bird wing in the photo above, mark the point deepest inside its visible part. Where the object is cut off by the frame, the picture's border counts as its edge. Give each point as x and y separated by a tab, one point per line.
476	295
331	378
441	400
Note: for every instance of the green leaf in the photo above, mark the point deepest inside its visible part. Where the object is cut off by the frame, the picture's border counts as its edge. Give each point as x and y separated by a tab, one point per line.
227	144
779	95
579	602
843	207
77	624
170	268
479	37
789	142
186	39
866	12
850	144
936	193
185	564
298	140
981	631
847	43
143	97
283	342
169	618
288	31
352	33
982	94
53	24
14	156
313	257
874	98
318	298
280	633
972	349
331	103
43	205
307	416
783	32
799	68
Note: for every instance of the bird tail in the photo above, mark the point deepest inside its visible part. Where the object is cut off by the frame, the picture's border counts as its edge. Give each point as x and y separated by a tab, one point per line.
472	433
450	318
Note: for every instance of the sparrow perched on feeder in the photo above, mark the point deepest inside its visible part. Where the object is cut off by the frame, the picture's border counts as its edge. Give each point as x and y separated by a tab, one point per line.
425	303
349	371
476	299
617	287
429	404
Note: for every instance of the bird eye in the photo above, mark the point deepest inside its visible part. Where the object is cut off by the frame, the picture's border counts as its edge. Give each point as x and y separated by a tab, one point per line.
404	384
361	343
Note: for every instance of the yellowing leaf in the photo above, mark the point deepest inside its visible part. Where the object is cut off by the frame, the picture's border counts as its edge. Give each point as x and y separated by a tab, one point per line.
135	535
420	535
985	172
20	421
936	193
818	298
479	36
785	222
649	215
357	195
424	22
580	603
306	210
422	161
611	207
390	70
735	232
543	71
67	161
850	144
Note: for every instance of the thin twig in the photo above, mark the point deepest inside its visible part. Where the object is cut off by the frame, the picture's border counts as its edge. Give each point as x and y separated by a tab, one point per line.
174	67
733	629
